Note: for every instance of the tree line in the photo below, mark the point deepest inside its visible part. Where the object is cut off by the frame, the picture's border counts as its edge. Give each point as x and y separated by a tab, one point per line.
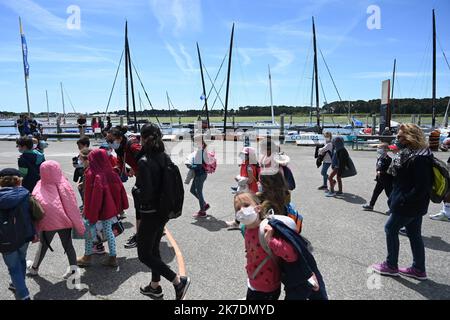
400	106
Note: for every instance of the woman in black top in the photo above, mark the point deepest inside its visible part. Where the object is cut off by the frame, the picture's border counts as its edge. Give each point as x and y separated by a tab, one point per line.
153	221
408	202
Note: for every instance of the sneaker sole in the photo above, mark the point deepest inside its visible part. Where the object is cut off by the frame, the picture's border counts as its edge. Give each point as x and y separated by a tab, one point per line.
130	246
413	276
386	273
152	295
188	283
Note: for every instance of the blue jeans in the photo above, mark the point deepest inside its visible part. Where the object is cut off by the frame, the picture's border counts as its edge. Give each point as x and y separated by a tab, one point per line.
17	267
197	189
414	229
324	172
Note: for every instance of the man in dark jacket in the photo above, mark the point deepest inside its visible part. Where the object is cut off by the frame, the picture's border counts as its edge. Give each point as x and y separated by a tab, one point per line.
383	179
15	199
408	202
29	163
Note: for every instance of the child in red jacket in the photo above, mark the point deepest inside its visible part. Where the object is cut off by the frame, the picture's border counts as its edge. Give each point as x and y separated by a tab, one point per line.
104	199
264	277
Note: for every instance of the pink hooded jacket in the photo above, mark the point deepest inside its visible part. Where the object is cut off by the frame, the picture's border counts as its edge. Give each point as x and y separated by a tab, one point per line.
56	196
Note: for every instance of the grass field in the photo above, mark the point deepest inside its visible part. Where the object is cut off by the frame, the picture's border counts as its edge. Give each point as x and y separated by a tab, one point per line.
338	119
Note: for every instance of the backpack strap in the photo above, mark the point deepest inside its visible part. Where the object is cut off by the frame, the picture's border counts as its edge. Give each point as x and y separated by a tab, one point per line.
265	247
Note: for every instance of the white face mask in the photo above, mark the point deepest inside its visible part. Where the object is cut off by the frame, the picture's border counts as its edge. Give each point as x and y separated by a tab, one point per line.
247	216
80	163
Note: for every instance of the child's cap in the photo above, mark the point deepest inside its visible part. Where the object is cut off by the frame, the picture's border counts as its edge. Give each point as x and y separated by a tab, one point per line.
10	172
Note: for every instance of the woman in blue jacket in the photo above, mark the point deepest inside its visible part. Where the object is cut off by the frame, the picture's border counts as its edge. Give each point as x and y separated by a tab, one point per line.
408	202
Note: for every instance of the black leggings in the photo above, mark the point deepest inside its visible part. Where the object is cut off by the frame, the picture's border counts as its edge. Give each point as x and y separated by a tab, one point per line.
149	237
46	238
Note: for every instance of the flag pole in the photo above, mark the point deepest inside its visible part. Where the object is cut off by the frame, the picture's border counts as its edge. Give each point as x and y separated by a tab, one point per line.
25	74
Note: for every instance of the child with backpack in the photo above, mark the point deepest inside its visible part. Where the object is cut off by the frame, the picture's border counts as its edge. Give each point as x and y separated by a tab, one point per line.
159	189
18	211
29	162
264	278
104	199
57	198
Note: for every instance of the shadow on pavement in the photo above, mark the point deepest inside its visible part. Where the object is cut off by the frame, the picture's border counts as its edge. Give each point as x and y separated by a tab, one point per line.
102	281
210	223
436	243
352	198
429	289
57	291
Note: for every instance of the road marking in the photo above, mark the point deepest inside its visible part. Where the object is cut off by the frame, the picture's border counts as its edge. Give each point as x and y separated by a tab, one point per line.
176	248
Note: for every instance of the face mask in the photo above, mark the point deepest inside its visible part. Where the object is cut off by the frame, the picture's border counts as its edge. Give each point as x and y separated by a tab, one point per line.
108	153
247	216
80	163
35	145
327	140
115	145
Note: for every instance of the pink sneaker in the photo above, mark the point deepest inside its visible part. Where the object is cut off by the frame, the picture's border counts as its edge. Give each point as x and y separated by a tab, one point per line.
200	214
385	270
413	273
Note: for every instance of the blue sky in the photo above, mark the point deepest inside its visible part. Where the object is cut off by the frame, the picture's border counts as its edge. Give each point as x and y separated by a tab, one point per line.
163	33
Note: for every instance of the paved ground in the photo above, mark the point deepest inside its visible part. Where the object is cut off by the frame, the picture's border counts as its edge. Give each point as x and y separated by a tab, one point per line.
346	239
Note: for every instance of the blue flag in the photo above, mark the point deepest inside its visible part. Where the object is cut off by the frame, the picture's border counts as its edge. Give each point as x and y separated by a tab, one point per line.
26	66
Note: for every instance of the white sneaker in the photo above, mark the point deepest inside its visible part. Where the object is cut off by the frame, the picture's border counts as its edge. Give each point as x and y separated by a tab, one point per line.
440	217
31	272
72	271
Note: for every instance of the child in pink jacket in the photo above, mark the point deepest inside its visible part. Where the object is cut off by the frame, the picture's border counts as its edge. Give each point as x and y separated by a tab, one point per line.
61	214
264	276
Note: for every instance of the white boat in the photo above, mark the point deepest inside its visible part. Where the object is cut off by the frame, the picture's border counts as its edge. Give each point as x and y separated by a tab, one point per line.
308	139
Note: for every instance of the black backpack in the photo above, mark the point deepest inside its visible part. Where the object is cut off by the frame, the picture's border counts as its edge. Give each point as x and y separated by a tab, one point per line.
172	190
12	229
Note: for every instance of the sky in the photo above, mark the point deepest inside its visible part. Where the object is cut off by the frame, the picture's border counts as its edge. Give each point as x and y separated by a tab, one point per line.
84	56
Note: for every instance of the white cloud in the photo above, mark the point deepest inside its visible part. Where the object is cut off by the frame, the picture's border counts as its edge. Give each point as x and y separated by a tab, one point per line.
182	58
37	16
178	15
284	57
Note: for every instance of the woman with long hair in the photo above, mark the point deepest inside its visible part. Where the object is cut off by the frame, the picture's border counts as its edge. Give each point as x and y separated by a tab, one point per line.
408	202
153	220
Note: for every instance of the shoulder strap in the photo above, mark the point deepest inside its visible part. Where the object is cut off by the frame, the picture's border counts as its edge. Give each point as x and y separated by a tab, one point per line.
265	246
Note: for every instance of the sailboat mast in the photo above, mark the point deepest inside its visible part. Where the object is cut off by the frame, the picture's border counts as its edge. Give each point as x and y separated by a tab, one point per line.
25	65
48	110
168	102
203	85
433	123
312	98
228	83
390	111
316	76
62	97
126	72
271	97
136	126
